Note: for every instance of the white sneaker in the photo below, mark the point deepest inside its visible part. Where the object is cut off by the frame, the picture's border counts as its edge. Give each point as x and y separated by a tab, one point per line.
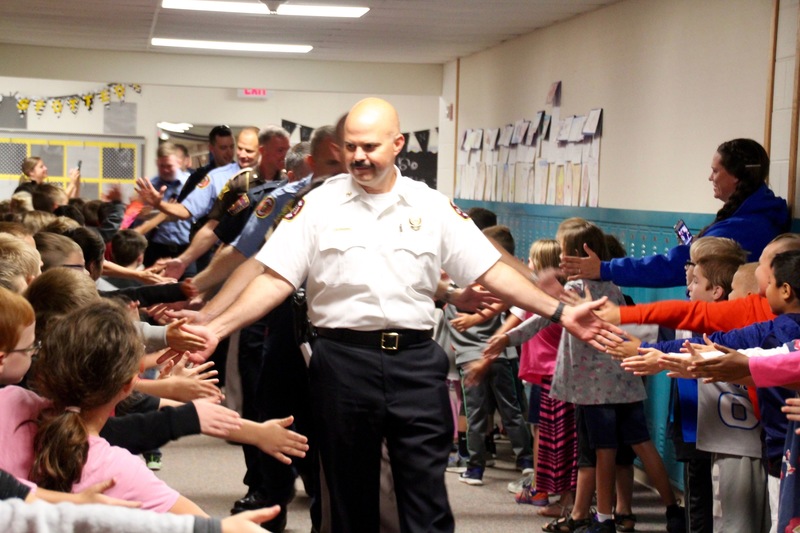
516	486
456	464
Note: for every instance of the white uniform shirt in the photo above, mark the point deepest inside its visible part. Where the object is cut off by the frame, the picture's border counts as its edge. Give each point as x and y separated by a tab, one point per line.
374	265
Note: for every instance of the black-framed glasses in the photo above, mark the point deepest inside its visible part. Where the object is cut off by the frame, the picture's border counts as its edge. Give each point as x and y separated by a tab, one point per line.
31	350
688	264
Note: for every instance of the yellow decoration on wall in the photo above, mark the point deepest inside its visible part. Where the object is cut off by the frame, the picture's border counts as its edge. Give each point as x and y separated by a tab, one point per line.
73	102
39	106
88	100
58	106
119	90
22	105
105	96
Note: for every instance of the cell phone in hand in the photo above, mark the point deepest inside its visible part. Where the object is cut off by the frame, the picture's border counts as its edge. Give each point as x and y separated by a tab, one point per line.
80	162
684	234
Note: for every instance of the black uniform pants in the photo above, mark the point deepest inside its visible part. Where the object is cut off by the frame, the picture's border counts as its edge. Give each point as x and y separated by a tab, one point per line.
361	395
274	381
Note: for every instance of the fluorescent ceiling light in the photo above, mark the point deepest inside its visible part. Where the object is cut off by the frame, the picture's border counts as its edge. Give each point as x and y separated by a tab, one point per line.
175	127
236	47
259	8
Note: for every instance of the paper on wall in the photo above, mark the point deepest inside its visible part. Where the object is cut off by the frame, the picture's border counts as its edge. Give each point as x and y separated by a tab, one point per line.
551	184
520	128
594	170
540	177
576	184
567	199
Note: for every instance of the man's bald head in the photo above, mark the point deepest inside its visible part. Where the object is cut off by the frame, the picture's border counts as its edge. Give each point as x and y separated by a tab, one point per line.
374	112
372	140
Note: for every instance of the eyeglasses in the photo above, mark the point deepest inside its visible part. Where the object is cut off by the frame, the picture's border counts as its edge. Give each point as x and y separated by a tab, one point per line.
687	265
31	350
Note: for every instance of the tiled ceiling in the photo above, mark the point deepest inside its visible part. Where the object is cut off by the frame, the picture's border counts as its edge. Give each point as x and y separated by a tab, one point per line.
400	31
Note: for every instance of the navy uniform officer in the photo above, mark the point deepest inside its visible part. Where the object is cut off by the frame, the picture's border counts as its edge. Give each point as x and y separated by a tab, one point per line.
261	155
371	244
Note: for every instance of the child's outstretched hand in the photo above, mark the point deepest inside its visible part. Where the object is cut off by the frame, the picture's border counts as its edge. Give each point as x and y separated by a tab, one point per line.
730	366
677	365
643	364
280	442
495	346
182	340
474	371
464	321
249	521
626	348
792	410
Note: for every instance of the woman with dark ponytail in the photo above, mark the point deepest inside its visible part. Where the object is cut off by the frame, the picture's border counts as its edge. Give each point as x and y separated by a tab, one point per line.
751	215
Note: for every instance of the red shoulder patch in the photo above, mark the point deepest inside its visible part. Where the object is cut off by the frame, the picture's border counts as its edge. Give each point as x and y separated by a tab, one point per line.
204	183
296	211
265	207
458	211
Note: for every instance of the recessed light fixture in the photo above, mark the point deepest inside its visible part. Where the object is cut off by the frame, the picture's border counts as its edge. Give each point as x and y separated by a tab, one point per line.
231	46
266	8
175	127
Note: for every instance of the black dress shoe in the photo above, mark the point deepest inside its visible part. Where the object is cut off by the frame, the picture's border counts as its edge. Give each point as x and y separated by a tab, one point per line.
256	500
253	500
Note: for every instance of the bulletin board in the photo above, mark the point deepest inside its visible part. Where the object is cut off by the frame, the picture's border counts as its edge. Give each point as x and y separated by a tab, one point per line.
105	159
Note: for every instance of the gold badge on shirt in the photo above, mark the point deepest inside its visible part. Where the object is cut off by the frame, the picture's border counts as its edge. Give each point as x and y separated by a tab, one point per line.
415	223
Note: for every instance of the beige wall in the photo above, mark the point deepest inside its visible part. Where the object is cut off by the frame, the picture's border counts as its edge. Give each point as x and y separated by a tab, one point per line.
674	78
202	90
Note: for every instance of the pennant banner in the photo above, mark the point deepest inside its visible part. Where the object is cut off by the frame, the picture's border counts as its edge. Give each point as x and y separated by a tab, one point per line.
73	101
288	125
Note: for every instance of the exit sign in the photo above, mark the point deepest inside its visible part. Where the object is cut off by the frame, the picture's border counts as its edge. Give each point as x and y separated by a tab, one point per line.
252	93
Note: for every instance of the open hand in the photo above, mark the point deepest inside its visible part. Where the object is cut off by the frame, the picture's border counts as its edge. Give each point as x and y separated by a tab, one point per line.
581	267
280	442
730	366
645	363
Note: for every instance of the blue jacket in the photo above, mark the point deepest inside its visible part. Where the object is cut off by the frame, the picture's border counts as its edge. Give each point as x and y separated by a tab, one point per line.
759	219
770	334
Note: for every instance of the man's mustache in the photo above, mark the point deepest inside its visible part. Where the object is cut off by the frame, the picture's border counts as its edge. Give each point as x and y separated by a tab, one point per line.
360	165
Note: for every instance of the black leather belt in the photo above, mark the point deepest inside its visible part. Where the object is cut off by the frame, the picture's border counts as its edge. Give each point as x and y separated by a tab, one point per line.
390	340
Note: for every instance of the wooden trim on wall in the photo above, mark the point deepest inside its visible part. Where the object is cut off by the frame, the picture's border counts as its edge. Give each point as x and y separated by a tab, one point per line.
793	137
455	119
776	5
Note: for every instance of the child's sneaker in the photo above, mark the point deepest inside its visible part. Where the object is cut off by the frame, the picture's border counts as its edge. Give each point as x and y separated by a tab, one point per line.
525	465
533	497
456	464
516	486
153	461
473	476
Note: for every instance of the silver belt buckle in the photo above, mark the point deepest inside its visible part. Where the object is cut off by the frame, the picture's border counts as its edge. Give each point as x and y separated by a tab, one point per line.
390	341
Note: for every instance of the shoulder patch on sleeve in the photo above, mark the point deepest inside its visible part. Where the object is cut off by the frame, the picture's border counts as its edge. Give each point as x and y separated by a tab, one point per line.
296	211
239	205
265	207
204	182
458	211
223	192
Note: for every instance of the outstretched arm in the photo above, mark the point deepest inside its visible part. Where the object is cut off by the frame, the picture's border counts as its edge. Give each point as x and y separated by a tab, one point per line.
202	242
261	296
505	282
